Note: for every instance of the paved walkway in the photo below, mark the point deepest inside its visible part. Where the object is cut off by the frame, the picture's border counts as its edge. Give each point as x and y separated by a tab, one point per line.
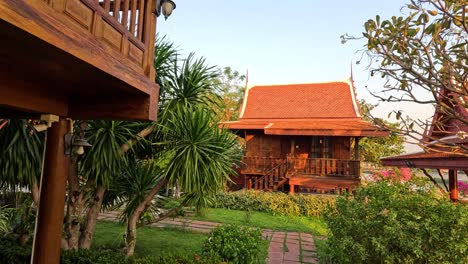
285	247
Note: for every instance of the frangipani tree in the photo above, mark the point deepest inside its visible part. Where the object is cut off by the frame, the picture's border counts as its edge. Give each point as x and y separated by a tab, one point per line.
423	58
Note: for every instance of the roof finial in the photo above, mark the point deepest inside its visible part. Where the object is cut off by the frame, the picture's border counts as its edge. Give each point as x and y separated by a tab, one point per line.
246	78
351	76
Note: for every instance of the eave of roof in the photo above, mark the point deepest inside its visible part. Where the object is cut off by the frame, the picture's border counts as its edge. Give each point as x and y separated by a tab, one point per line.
429	160
309	127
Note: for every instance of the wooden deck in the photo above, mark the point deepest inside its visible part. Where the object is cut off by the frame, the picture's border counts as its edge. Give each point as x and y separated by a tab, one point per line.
84	51
302	166
318	175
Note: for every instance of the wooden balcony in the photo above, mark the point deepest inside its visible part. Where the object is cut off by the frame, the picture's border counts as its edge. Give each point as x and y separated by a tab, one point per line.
304	167
78	58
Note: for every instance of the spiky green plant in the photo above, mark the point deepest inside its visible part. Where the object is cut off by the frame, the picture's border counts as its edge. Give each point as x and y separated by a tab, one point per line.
193	83
21	148
131	187
5	214
105	160
200	155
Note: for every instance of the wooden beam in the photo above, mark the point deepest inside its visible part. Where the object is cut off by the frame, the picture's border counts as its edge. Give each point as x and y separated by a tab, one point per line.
454	163
30	96
115	107
48	233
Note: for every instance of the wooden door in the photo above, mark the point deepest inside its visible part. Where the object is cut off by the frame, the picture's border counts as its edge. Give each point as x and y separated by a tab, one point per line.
301	152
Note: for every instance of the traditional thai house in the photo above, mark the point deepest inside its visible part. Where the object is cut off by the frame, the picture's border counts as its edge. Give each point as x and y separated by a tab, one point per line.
74	59
301	137
444	142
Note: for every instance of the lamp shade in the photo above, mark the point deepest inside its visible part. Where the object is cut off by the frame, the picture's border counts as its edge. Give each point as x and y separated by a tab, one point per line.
167	7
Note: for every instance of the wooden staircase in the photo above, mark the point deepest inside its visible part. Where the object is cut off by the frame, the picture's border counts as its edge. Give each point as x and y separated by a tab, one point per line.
272	179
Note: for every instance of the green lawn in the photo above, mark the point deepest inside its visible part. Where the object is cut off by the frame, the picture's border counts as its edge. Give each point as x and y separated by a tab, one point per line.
153	241
150	241
262	220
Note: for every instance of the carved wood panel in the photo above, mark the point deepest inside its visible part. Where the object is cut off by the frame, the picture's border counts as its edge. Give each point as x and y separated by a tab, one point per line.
79	12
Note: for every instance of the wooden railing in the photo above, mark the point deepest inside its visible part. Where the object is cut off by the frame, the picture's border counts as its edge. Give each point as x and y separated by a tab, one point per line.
259	165
126	26
272	178
318	167
128	13
324	167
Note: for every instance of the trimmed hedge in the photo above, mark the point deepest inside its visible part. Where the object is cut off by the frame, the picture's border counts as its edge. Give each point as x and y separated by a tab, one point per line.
276	203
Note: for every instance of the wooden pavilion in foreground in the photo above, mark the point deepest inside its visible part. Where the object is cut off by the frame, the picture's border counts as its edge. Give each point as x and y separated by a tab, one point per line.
301	137
74	59
444	143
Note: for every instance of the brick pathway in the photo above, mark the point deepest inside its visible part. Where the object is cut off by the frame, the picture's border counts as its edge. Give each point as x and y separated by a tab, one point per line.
292	247
285	247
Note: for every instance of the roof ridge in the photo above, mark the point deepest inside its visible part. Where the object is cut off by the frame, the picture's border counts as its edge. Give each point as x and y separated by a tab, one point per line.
345	81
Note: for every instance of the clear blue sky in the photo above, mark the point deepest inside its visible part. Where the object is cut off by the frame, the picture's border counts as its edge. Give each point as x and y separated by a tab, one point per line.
282	41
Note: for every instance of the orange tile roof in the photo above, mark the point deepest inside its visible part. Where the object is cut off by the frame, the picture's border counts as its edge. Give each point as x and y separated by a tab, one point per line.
304	109
314	100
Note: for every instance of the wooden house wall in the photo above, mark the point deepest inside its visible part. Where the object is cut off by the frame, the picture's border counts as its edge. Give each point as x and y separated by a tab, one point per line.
266	146
341	148
259	145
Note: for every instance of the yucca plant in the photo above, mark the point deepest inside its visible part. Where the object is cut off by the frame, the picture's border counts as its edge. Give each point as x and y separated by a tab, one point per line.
138	178
199	157
100	164
165	57
5	214
193	83
21	149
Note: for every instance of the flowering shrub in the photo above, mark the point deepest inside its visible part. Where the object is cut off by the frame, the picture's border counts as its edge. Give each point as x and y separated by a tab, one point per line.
391	175
397	223
463	188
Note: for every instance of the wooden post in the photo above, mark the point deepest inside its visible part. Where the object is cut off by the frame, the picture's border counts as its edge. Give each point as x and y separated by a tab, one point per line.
293	146
291	188
49	223
356	148
453	185
357	157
